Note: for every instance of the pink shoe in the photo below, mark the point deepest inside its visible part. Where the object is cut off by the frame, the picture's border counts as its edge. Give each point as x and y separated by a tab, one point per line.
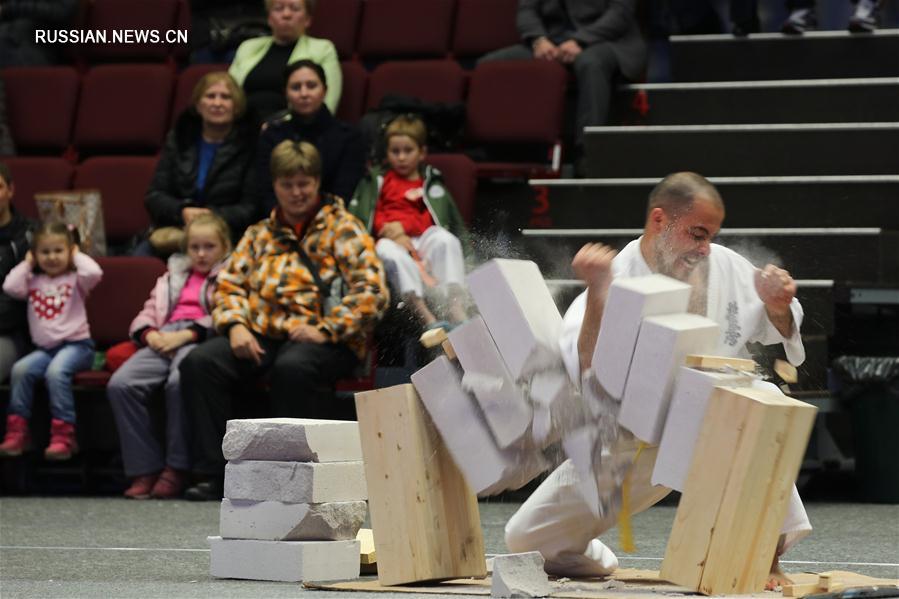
62	441
17	439
141	486
170	484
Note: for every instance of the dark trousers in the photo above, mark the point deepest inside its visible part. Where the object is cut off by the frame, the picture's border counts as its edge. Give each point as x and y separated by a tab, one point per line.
301	374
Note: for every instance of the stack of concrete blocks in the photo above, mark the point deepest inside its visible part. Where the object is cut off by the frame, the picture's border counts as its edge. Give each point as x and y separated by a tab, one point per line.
509	395
294	501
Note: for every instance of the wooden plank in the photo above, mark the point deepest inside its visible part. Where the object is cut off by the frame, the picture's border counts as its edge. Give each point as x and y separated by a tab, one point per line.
367	554
718	362
801	590
424	516
737	491
448	349
432	338
786	371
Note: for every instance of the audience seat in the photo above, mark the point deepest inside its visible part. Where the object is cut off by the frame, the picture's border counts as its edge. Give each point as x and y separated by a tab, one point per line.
461	176
405	28
429	80
484	25
187	79
123	182
123	109
355	88
515	103
33	175
40	106
338	21
137	15
114	302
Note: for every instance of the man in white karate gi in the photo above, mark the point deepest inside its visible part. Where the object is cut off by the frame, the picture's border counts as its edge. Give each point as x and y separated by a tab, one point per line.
685	213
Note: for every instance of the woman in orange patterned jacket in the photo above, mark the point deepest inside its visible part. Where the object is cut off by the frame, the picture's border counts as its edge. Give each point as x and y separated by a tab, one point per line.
301	293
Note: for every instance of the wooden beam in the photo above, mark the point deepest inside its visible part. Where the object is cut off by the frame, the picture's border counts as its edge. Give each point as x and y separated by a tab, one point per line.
424	516
737	492
718	362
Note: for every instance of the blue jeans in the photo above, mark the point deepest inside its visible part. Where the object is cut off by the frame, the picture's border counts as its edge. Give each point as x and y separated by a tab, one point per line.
56	366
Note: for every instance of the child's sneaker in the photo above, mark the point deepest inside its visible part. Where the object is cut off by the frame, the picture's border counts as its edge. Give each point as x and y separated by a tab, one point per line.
170	484
141	486
17	439
799	21
62	441
864	19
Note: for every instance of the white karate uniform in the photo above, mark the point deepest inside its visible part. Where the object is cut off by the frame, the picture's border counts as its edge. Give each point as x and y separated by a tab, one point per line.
555	520
438	247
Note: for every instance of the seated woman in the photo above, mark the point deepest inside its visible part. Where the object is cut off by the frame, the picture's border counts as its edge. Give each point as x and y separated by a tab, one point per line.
308	118
259	63
205	166
277	312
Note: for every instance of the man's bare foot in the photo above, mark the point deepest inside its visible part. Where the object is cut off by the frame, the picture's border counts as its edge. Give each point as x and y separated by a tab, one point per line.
777	578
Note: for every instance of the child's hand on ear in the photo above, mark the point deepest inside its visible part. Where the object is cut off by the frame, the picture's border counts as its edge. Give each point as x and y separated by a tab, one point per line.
29	258
75	250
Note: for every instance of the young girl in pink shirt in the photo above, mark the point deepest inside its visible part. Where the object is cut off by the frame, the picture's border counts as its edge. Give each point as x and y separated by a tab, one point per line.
175	318
55	278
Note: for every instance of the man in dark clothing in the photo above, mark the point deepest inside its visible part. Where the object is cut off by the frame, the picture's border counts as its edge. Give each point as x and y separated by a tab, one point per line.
15	235
599	39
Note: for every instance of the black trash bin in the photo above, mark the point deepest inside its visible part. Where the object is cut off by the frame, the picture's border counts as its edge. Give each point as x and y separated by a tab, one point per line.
871	388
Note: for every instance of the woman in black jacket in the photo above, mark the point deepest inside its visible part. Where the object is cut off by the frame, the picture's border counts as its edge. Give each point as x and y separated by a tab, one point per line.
308	119
206	164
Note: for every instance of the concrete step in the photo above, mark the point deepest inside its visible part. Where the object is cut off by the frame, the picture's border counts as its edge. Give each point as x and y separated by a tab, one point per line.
815	55
743	150
791	101
843	254
816	296
850	201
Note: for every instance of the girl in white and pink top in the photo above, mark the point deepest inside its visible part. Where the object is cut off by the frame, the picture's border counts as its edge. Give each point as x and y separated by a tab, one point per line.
54	279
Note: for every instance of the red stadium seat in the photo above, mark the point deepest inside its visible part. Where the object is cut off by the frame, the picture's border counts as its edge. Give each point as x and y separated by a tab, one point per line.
185	86
338	21
461	176
123	109
484	25
40	104
33	175
429	80
355	87
514	103
405	28
123	182
134	17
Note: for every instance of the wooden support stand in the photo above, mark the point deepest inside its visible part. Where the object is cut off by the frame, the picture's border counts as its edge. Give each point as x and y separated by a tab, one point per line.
424	516
737	492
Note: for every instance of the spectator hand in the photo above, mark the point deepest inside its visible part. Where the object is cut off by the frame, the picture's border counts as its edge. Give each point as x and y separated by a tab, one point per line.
568	51
304	333
29	258
172	340
154	341
405	241
593	265
392	230
190	213
776	288
244	344
546	50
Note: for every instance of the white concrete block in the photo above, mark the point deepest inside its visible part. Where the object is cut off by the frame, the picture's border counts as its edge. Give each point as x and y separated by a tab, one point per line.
504	406
283	561
662	346
557	406
519	575
295	482
277	521
597	473
458	418
520	312
292	439
685	414
629	301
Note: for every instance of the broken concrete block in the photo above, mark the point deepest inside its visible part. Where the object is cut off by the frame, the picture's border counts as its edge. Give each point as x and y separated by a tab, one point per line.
520	575
520	313
685	414
629	301
557	406
292	439
295	482
283	561
662	345
277	521
487	378
465	433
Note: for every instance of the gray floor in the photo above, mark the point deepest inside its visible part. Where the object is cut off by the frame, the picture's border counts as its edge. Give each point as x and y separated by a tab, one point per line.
110	547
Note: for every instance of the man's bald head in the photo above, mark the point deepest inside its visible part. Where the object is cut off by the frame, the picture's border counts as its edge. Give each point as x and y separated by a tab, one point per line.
676	193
